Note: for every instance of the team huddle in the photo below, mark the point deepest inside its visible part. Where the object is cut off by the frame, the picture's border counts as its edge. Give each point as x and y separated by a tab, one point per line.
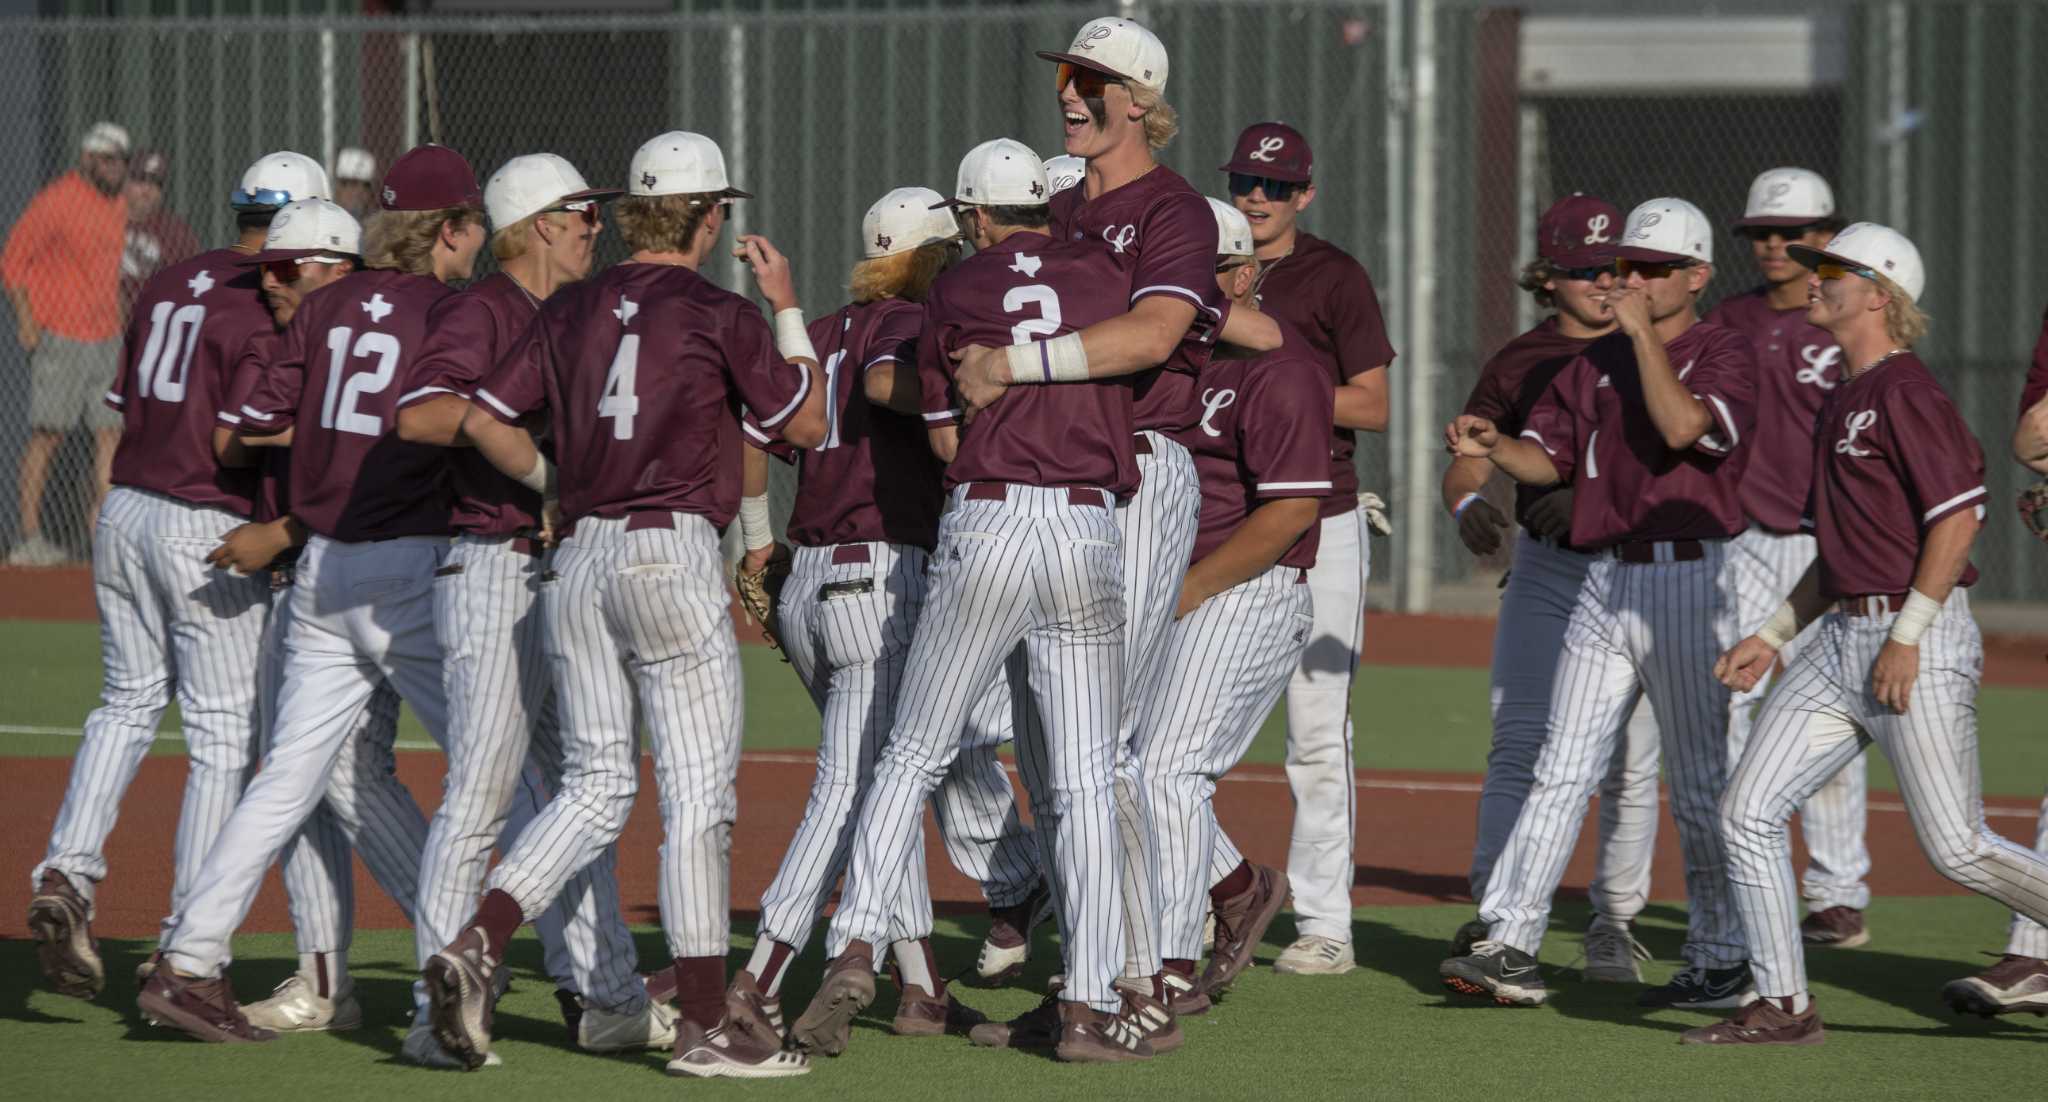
1088	490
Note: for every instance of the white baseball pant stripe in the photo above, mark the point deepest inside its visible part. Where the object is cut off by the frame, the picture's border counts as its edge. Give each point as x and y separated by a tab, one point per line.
1225	666
169	623
1768	567
1535	608
1037	569
1639	629
1159	524
1823	715
502	724
640	615
2030	938
362	616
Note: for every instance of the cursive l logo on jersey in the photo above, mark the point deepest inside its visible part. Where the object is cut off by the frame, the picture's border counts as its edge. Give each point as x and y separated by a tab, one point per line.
1213	402
1119	237
1818	360
1857	422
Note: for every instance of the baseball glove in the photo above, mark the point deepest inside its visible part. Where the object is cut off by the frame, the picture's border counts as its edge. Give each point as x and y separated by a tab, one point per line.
2034	508
1376	517
760	592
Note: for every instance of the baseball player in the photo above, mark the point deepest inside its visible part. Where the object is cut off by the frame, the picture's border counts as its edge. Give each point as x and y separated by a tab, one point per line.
1025	578
546	219
1797	365
168	622
2019	981
1898	498
641	370
865	518
1328	298
1573	273
361	605
1648	425
355	181
1245	615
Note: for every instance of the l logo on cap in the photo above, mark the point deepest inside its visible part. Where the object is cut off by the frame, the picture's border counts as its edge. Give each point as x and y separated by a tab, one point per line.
1776	192
1269	145
390	197
1596	229
1643	226
1085	41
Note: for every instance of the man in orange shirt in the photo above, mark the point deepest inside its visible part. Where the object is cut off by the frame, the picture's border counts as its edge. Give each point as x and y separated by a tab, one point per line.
62	270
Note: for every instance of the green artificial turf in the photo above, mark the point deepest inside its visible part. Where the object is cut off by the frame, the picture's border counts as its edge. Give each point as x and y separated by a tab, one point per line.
1384	1031
1408	717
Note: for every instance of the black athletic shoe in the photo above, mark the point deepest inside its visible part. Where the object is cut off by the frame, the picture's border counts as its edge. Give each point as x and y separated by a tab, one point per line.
1498	971
1696	988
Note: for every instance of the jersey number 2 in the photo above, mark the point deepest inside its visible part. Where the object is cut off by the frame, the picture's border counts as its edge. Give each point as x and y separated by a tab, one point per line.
338	408
1033	294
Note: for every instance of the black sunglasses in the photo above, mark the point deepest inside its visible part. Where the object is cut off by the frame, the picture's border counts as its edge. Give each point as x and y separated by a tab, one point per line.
1586	275
1279	191
1789	233
585	207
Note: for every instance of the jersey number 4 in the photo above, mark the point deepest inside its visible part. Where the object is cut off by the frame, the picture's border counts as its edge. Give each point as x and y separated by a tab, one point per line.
346	389
618	402
166	360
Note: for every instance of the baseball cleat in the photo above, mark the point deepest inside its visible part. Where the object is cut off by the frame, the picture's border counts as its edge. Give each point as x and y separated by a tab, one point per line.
1089	1036
1471	933
200	1008
653	1026
2015	985
827	1024
1008	944
1696	988
743	1045
1762	1022
1038	1027
1315	955
1612	953
1834	928
461	986
1183	995
921	1015
1241	922
147	968
61	923
295	1007
422	1049
1498	971
1154	1019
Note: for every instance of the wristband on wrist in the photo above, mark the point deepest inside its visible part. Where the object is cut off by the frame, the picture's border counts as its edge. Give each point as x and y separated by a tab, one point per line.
1458	510
1914	619
755	531
1027	363
791	338
1781	628
541	479
1063	359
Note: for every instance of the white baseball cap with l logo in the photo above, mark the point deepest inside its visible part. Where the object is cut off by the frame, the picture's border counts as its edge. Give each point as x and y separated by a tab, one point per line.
1667	231
1118	47
532	183
1873	248
1000	173
1787	197
907	218
1064	171
1233	229
680	163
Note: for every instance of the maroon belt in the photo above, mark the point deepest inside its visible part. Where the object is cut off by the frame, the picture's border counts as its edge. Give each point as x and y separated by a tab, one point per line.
1301	578
1645	551
1141	444
526	545
649	519
1871	604
848	553
1000	491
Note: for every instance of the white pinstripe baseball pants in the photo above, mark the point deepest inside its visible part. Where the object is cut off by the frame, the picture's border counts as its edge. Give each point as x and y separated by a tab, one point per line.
1822	716
1225	665
169	623
1648	629
361	617
1535	609
637	628
1040	570
2029	938
1834	818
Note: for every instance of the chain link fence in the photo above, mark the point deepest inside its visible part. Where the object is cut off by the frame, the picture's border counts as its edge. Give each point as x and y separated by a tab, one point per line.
1441	128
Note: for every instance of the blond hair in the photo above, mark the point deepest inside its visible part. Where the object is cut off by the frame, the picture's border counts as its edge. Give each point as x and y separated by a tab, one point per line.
1904	321
906	275
403	240
662	223
516	240
1534	275
1161	121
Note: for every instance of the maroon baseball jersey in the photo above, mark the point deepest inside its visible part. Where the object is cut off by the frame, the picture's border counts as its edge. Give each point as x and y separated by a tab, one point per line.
1261	436
1163	229
1512	381
645	371
335	383
467	333
191	325
273	465
2037	375
1797	363
1626	484
874	477
1891	457
1031	287
1327	296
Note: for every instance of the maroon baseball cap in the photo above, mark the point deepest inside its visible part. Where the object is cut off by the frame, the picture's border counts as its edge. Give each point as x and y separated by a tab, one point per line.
151	165
431	177
1273	150
1579	231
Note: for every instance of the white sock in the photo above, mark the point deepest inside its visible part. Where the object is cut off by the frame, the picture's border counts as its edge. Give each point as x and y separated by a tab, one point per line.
914	963
1792	1004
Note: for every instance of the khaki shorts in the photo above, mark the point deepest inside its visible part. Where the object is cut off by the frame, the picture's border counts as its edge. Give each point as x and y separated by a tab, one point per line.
68	379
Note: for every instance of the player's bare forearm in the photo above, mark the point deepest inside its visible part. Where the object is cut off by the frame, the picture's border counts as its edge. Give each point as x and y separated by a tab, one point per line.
1945	553
892	389
806	427
1251	550
1248	327
229	450
506	447
945	441
1138	340
1680	418
2030	439
1362	401
1525	462
437	421
1465	475
753	471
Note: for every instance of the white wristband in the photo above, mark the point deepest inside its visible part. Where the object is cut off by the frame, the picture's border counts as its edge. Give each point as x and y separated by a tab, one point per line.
541	479
1458	510
1027	364
755	531
1913	620
791	338
1781	628
1062	359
